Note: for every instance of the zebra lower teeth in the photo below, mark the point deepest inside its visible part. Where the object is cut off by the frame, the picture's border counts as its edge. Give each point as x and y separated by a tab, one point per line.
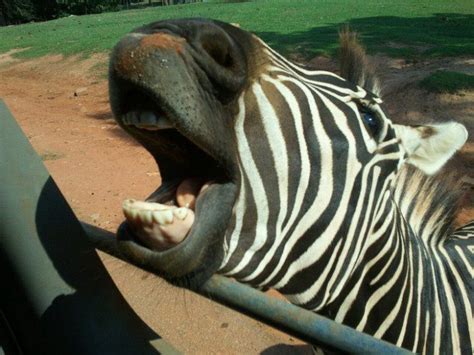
146	120
160	227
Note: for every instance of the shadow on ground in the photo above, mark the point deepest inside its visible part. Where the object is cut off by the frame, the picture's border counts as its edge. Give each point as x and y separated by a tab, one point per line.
285	349
443	34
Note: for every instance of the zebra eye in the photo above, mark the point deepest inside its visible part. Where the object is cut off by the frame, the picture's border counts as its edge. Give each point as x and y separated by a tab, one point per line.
372	122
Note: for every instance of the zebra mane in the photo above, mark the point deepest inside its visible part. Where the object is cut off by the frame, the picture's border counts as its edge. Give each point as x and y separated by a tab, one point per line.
354	64
427	203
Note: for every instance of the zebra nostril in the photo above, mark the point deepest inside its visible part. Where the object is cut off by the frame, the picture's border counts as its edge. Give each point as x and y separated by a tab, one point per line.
219	50
222	59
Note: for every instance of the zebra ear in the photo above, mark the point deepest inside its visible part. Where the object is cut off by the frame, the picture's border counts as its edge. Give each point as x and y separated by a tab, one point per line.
430	147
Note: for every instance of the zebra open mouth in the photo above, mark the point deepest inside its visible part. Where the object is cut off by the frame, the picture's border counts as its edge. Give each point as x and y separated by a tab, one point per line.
165	218
187	209
163	221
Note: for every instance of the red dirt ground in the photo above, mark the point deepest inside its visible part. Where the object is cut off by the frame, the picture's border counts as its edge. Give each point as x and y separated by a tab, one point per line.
62	105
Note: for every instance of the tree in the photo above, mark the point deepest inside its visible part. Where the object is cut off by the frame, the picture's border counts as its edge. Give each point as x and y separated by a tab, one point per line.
46	9
13	12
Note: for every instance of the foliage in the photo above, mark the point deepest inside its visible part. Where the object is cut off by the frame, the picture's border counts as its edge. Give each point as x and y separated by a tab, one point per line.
46	9
19	11
16	11
73	7
443	81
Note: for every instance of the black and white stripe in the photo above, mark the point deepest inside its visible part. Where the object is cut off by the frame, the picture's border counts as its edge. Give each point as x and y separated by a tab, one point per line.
324	217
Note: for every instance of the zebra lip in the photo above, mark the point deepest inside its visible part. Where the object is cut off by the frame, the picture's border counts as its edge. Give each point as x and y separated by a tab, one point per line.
200	249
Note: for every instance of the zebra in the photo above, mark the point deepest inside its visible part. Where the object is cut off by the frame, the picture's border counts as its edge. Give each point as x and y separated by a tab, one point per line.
294	179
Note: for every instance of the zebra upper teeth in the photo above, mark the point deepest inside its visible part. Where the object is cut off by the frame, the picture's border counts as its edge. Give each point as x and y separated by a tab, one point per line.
146	120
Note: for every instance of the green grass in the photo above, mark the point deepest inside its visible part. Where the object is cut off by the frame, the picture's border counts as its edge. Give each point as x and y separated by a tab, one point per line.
402	28
443	81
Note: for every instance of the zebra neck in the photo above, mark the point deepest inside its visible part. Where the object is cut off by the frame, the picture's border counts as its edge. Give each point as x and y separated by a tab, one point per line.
410	289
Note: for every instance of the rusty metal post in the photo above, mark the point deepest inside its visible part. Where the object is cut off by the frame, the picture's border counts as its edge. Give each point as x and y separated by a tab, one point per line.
56	297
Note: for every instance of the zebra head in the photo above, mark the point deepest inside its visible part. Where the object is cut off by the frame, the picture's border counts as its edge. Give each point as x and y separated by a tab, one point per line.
265	165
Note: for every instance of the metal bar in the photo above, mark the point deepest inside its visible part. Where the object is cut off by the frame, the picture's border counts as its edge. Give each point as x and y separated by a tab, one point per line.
306	325
57	297
303	324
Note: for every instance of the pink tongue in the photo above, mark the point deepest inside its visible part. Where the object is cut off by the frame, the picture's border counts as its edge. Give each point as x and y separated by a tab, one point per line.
189	190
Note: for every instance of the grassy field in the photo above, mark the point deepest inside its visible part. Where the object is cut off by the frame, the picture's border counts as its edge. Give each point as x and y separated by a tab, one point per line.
402	28
445	81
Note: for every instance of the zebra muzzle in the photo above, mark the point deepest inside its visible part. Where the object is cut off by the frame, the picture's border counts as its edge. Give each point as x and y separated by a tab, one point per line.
172	87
